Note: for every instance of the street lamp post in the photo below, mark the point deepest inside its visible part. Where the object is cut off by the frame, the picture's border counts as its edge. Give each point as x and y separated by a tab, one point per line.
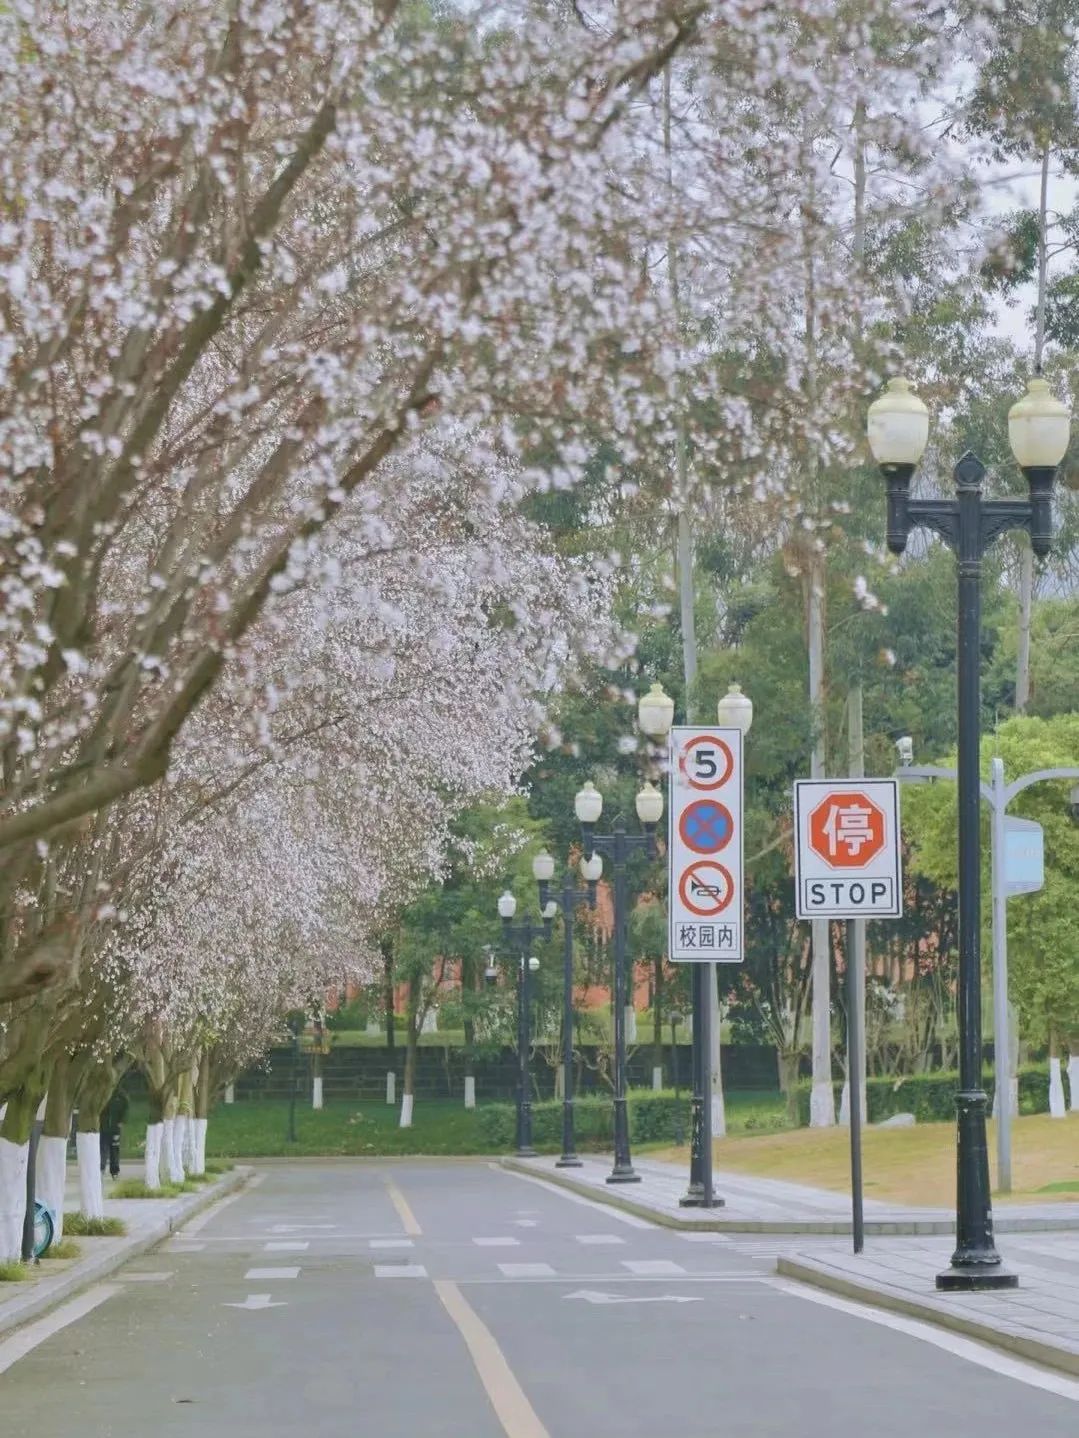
655	714
1038	429
998	795
567	900
734	711
521	938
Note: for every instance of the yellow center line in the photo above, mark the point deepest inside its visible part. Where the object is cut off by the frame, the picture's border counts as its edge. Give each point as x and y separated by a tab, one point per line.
400	1203
517	1416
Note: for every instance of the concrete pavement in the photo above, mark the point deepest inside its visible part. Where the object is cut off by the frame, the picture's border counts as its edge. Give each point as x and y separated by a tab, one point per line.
458	1299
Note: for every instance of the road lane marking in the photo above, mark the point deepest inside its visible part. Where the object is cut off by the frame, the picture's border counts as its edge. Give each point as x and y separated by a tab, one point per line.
653	1267
706	1237
392	1243
512	1408
255	1301
28	1338
590	1295
497	1242
299	1227
285	1247
404	1212
272	1273
400	1270
597	1238
969	1349
630	1219
144	1277
527	1270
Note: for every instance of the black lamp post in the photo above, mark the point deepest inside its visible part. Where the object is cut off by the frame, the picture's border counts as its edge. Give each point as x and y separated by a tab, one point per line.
1038	428
567	901
521	938
618	846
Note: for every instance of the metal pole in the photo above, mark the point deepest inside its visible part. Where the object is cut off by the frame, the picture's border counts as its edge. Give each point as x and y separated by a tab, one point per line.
525	1149
569	1157
694	1195
975	1262
1001	1024
623	1163
708	1199
292	1088
856	934
854	1072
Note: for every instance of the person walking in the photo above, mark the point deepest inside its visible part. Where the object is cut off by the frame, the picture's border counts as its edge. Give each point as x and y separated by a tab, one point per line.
112	1117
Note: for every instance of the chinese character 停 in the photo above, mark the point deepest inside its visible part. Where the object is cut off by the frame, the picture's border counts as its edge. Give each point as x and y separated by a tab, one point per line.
849	825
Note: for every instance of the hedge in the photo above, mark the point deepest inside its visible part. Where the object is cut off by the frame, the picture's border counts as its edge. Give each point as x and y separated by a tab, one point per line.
931	1097
655	1116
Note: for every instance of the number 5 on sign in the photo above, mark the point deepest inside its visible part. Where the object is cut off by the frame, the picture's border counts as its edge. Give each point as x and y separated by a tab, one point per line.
705	846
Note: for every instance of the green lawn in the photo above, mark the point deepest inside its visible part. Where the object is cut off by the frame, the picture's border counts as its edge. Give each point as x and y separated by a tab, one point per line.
258	1128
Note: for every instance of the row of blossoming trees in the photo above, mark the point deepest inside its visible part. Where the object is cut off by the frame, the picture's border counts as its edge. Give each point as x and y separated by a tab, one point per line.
297	302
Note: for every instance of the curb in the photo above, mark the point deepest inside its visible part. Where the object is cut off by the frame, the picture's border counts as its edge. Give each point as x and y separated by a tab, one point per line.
723	1222
1050	1355
51	1292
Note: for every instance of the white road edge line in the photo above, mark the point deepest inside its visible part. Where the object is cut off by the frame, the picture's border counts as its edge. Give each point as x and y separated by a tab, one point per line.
606	1209
28	1338
996	1359
199	1222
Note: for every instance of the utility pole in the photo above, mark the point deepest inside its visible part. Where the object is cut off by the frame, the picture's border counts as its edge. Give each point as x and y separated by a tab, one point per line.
856	929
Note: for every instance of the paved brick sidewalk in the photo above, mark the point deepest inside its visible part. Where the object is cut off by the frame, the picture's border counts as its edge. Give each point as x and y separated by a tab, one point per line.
1039	1320
148	1222
764	1205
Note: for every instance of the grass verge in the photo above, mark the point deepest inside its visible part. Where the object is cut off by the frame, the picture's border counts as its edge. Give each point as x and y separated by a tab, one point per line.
907	1165
14	1272
79	1226
66	1248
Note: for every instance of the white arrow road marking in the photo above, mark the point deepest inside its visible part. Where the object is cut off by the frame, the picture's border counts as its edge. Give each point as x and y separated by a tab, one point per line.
255	1300
525	1222
591	1296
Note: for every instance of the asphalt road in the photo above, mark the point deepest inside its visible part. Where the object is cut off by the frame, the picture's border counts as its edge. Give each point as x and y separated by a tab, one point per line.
454	1299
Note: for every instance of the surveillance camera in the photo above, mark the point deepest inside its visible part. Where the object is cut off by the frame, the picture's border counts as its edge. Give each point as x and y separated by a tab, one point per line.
905	747
1074	805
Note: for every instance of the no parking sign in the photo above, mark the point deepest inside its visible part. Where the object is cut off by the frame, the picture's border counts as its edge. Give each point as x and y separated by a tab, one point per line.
705	848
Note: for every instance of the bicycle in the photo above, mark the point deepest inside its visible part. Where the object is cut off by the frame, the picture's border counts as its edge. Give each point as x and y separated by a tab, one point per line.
44	1229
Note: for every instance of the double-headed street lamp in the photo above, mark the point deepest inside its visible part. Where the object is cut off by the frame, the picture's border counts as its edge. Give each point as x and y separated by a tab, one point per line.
567	900
1038	430
520	939
655	714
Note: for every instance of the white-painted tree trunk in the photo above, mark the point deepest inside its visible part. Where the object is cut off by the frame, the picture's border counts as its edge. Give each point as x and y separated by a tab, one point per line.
88	1152
172	1146
1073	1083
49	1179
189	1156
391	1087
230	1093
316	1091
470	1092
198	1132
406	1110
155	1133
13	1161
844	1105
1057	1107
657	1076
631	1024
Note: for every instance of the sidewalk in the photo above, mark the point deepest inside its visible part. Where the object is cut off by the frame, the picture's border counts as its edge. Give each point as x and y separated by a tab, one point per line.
765	1205
1039	1320
148	1220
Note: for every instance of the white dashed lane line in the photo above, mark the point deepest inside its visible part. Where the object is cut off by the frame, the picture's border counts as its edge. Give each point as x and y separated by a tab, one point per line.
392	1243
285	1247
598	1238
653	1267
497	1242
400	1270
526	1270
272	1273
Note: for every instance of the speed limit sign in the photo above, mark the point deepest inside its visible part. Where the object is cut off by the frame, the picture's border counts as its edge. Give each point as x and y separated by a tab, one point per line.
705	849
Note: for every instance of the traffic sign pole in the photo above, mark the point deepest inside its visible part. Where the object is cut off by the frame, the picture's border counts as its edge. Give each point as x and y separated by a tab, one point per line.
855	1040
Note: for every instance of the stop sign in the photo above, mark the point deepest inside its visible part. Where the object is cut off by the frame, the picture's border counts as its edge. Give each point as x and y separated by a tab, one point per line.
847	830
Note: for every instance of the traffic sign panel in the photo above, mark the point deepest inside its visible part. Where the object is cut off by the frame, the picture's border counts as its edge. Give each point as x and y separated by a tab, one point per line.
705	849
847	858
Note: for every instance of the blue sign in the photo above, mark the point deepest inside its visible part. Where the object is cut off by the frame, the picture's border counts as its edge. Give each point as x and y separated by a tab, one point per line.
706	826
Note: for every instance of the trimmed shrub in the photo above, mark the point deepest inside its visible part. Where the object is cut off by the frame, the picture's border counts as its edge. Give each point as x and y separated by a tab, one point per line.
931	1097
655	1116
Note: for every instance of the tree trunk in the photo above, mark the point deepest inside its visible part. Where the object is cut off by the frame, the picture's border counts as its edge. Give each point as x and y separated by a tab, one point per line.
407	1097
657	1016
788	1082
51	1173
1057	1106
468	987
203	1096
15	1130
386	946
